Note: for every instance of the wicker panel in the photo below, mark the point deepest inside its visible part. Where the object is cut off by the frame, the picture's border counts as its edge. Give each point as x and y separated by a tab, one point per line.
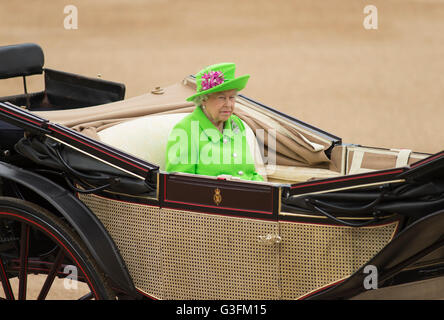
314	255
215	257
173	254
135	230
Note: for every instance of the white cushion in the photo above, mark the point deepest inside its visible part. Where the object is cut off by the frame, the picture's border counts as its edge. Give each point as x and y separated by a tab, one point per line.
147	137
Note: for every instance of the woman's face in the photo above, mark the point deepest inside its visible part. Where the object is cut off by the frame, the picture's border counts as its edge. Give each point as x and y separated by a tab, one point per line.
219	105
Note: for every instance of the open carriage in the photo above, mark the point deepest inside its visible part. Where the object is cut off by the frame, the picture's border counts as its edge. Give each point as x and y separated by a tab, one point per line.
84	184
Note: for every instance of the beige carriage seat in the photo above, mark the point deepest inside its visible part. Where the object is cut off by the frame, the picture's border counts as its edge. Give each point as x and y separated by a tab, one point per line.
291	174
364	159
147	137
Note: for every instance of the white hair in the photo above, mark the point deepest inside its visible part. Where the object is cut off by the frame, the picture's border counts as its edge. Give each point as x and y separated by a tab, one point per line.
199	99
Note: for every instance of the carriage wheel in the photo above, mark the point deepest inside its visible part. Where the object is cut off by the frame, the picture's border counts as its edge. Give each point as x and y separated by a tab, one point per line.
42	258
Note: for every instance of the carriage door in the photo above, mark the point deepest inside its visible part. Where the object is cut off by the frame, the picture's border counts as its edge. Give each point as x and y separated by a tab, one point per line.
220	239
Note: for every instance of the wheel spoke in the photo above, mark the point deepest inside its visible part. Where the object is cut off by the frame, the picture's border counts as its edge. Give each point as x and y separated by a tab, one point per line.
5	282
51	275
24	250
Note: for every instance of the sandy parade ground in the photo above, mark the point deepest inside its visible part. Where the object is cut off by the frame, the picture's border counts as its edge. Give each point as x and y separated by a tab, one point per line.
312	59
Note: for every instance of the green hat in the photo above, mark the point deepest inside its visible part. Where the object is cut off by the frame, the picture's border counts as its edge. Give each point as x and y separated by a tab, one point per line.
218	77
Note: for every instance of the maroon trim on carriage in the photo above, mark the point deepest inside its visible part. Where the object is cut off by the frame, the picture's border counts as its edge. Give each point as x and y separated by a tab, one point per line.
19	116
215	207
220	214
146	294
376	224
347	179
320	289
424	161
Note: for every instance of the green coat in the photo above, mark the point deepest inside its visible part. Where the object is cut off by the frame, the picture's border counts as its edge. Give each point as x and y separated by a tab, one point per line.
196	146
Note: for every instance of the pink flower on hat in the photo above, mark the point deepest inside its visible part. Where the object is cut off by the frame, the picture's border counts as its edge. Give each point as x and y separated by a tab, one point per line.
212	79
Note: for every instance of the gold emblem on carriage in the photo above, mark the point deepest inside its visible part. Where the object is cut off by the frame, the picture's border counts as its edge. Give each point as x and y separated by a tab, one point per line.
217	197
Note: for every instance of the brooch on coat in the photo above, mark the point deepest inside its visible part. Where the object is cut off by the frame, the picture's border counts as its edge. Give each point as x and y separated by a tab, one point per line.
235	127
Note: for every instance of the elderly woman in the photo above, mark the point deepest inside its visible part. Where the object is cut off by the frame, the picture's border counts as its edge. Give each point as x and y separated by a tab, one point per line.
212	140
